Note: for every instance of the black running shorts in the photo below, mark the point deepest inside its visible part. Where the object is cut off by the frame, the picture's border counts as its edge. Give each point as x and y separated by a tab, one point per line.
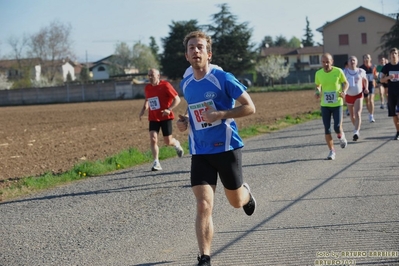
206	167
165	125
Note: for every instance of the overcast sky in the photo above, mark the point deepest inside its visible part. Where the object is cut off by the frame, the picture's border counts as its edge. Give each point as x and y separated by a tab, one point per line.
98	25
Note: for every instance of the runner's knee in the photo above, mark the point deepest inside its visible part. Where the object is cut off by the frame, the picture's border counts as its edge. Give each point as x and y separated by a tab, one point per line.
327	131
337	129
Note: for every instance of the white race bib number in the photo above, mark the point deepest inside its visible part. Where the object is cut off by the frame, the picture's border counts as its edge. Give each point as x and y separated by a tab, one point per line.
196	110
352	81
154	103
330	97
370	77
395	76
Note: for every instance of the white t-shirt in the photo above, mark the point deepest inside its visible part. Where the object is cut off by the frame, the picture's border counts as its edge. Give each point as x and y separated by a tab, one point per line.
189	70
355	79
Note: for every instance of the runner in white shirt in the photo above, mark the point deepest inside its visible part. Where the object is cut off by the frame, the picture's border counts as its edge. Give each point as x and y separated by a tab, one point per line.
357	78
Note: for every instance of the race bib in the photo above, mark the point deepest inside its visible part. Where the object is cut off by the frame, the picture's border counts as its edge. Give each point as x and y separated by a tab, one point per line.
196	111
370	77
395	76
352	81
330	97
154	103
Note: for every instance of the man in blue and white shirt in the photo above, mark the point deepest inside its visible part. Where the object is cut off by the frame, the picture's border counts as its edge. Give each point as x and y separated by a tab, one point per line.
214	141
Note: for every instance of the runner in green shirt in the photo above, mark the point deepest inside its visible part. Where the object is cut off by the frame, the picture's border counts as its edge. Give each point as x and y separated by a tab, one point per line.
331	87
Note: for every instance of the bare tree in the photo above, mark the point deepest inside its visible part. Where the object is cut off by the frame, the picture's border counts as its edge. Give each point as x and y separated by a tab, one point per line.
52	44
273	68
18	47
22	67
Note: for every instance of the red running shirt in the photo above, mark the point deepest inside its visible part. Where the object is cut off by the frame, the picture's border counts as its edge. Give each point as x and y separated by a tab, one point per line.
159	98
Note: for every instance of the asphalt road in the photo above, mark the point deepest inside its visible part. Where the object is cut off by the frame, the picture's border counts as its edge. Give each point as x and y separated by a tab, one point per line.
310	210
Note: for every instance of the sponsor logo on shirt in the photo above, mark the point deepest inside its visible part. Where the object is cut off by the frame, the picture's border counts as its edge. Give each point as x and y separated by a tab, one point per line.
210	95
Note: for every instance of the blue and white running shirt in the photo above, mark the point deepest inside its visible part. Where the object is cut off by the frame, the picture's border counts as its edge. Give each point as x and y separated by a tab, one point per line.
220	90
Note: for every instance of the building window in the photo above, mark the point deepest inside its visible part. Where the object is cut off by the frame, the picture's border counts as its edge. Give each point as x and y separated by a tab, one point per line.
364	38
343	39
361	19
287	61
314	60
101	68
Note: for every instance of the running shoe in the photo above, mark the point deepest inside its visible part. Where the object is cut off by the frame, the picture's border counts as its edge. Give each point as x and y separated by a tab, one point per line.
347	112
331	155
156	166
249	208
179	150
396	137
382	106
204	260
371	119
355	137
343	142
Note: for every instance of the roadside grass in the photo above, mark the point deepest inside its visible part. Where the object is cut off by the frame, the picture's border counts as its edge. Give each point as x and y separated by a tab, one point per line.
288	121
283	87
125	159
132	157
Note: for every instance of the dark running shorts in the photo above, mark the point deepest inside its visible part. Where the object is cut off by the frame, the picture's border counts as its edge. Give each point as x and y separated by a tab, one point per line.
206	167
165	125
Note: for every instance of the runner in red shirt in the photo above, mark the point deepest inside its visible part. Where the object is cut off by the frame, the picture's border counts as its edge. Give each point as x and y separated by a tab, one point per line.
160	99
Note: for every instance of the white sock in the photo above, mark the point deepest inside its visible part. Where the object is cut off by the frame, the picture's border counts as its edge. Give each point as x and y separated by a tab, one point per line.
177	143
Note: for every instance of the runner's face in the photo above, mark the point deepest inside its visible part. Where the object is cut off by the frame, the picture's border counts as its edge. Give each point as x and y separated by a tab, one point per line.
197	53
394	56
367	60
353	62
153	76
327	63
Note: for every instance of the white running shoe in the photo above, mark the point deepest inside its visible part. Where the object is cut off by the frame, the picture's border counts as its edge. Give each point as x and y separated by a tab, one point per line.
179	149
343	142
156	166
331	155
371	119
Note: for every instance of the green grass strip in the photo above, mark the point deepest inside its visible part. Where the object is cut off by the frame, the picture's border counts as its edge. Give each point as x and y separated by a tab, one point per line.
126	159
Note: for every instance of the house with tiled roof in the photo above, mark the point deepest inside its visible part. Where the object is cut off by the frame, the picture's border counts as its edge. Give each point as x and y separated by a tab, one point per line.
356	33
16	69
299	59
101	69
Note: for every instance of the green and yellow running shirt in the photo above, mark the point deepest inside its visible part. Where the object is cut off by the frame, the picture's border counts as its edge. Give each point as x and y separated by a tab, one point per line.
331	86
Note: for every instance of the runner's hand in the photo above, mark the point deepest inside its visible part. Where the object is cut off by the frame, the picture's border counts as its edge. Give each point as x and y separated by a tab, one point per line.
210	115
182	123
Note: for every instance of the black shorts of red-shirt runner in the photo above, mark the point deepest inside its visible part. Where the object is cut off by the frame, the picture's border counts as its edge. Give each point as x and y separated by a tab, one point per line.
349	99
165	125
206	167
